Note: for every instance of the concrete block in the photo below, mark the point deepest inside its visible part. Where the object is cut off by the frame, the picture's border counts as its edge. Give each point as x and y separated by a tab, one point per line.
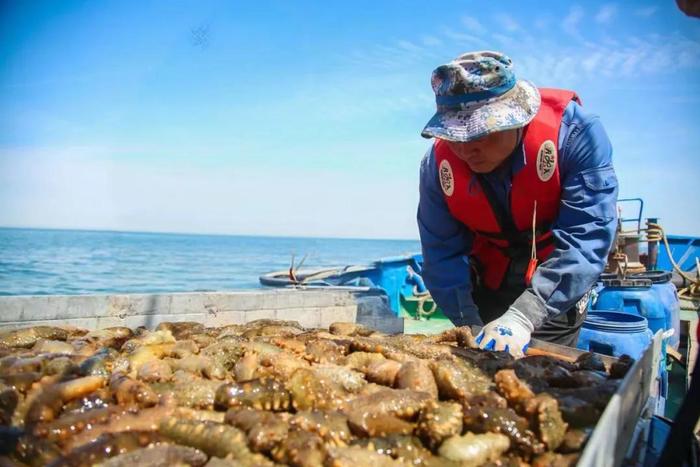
345	299
236	301
311	308
216	302
11	309
163	304
213	302
321	298
46	308
58	308
291	298
82	306
121	306
86	323
283	299
270	300
68	307
110	321
224	318
31	308
25	309
309	317
188	303
301	298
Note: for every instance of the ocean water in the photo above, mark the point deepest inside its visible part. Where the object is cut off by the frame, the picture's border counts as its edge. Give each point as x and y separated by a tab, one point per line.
45	262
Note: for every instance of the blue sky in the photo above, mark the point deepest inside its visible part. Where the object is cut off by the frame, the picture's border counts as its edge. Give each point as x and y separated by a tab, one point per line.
303	118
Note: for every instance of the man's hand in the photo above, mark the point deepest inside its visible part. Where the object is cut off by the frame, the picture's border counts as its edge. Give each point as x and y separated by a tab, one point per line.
511	332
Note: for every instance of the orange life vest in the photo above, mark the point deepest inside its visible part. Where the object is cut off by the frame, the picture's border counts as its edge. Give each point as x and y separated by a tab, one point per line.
497	237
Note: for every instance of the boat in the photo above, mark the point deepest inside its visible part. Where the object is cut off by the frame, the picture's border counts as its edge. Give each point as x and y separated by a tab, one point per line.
398	277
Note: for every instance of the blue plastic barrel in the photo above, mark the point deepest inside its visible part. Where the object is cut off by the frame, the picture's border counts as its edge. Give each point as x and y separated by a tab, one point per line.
614	333
649	294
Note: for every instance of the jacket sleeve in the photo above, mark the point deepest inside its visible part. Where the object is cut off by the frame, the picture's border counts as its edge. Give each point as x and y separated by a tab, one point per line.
585	227
445	243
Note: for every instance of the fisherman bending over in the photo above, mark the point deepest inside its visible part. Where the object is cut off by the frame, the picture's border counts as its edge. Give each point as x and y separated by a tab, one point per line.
517	206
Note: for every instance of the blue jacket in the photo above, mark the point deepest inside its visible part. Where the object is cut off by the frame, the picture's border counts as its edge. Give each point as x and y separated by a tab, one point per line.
583	231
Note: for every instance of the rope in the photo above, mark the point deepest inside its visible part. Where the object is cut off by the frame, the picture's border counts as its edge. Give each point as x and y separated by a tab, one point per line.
423	297
655	233
622	270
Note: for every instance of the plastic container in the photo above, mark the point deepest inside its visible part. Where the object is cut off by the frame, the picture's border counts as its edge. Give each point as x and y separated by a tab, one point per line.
614	333
649	294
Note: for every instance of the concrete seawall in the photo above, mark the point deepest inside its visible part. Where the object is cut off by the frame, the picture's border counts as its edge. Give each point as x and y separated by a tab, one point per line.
312	308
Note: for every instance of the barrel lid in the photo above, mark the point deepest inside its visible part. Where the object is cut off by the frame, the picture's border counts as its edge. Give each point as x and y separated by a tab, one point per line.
608	276
615	321
656	277
628	282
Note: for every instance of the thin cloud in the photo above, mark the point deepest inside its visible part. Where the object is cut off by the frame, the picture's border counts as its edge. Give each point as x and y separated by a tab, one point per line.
591	61
393	56
571	22
564	64
508	22
430	41
646	11
542	23
632	61
684	99
400	53
632	58
410	46
610	41
505	40
464	38
81	79
473	24
606	13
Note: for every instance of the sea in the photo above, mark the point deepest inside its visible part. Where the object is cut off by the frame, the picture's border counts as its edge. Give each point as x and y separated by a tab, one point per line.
70	262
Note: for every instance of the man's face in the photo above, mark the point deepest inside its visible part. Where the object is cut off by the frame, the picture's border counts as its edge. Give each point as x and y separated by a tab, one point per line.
485	154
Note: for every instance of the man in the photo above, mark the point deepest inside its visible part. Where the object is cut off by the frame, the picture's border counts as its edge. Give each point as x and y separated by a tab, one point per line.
510	160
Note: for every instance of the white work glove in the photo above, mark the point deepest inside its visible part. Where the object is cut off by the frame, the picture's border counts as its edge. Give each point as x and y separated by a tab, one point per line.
511	333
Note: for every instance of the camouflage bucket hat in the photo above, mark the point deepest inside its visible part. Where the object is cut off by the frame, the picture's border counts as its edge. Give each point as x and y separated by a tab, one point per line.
477	94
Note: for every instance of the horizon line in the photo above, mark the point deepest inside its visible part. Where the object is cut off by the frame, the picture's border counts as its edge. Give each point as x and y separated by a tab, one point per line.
201	234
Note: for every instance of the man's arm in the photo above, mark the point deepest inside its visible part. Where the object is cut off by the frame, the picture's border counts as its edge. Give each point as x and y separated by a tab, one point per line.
585	227
445	243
